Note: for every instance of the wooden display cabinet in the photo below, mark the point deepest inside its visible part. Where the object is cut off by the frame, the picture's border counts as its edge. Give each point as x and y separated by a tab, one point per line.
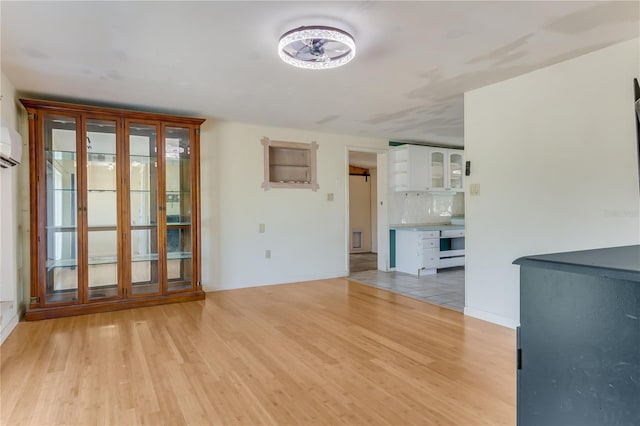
115	209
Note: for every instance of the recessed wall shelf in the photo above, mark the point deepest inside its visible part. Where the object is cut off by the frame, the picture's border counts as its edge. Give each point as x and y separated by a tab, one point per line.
289	165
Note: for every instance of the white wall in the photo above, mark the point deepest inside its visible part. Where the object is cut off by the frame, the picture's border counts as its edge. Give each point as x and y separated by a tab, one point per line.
10	245
554	152
305	232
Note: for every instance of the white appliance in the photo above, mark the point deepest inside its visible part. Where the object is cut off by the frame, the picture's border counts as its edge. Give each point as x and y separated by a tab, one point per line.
10	146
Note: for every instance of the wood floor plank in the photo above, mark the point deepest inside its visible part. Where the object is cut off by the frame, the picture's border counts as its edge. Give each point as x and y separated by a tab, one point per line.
314	353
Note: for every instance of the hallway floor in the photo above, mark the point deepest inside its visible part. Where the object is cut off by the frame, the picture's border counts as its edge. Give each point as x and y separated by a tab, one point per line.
446	288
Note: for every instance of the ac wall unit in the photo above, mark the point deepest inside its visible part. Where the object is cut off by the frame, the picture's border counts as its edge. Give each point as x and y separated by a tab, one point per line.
10	146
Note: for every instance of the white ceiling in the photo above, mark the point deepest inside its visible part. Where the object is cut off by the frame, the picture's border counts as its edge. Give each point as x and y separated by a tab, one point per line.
218	59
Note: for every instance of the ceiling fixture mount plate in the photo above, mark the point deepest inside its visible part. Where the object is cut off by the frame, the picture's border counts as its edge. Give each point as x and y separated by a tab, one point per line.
316	47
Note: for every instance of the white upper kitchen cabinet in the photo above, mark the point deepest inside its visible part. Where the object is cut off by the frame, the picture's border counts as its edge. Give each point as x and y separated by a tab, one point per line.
438	169
455	169
425	168
409	168
446	167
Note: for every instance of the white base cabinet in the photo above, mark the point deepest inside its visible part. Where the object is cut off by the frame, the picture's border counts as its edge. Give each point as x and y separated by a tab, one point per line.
424	252
417	252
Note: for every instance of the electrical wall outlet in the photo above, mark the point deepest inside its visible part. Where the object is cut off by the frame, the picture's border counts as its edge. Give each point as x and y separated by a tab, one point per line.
330	196
474	189
267	254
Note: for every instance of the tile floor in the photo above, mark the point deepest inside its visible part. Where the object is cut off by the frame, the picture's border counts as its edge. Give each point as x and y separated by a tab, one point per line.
446	288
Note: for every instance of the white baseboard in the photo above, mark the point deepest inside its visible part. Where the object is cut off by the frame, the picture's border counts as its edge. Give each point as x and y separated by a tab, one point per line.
287	280
6	331
488	316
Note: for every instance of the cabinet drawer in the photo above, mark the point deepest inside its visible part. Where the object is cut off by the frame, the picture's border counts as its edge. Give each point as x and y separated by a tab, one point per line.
452	233
450	262
430	258
428	234
430	243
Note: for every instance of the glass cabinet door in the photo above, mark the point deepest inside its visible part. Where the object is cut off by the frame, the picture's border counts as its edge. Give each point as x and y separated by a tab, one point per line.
437	167
177	153
102	209
143	212
61	209
455	171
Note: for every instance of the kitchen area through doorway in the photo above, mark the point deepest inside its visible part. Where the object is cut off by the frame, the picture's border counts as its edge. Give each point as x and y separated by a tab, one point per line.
426	228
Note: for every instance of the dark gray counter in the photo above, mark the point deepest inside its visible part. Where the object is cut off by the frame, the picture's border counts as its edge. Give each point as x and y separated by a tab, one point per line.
621	263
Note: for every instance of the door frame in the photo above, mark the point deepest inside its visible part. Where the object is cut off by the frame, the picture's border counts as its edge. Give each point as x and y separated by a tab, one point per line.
381	204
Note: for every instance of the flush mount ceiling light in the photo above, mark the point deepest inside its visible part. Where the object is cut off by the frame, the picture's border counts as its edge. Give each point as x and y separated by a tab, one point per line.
316	47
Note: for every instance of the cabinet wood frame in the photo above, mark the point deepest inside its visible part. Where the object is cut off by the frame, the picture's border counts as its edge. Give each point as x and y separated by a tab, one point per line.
38	308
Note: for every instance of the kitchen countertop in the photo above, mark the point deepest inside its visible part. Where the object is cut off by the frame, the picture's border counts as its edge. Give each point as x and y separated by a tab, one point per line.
424	227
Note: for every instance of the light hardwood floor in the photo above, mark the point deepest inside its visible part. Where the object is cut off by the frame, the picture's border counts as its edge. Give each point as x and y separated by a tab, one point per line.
324	352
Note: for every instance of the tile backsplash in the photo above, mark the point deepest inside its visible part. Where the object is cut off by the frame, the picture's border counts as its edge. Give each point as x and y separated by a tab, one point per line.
424	207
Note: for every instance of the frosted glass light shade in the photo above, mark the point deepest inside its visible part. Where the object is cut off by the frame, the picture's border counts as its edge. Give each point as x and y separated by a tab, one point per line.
316	47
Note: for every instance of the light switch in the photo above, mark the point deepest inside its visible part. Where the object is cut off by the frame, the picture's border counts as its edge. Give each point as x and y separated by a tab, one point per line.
261	228
267	254
330	196
474	189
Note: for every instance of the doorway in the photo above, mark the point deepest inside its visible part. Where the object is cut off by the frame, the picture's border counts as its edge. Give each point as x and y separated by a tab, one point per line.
363	211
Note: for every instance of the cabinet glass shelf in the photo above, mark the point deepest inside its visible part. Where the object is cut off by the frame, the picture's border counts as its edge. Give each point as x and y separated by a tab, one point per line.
155	225
72	263
101	158
108	227
142	226
60	155
103	260
147	191
60	228
173	255
72	154
142	160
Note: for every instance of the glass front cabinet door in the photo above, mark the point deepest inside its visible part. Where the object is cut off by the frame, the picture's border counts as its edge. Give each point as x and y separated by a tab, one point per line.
455	169
114	209
438	169
61	211
446	169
